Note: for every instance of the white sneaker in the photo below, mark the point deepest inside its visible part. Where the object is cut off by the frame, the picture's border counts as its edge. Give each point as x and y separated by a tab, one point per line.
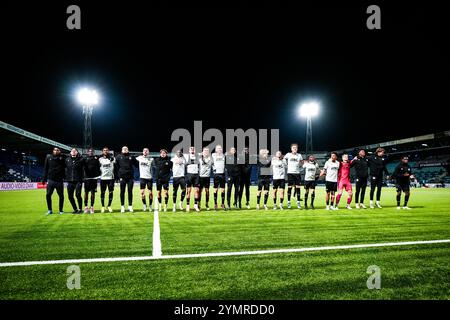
357	206
406	208
371	205
349	207
150	208
274	207
188	208
379	205
265	207
299	206
257	207
103	210
165	208
281	206
130	208
92	210
362	206
327	207
174	209
122	209
248	207
398	208
144	208
110	209
196	208
336	208
160	207
289	205
180	205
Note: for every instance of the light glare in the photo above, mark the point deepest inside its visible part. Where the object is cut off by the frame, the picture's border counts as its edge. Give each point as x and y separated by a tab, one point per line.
87	97
309	109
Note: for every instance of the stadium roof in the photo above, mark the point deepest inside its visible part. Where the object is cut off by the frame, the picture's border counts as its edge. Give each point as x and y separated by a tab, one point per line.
440	141
17	138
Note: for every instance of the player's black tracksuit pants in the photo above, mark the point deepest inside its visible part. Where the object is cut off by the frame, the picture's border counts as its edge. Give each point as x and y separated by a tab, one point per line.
244	182
74	187
126	183
376	182
361	184
59	187
233	181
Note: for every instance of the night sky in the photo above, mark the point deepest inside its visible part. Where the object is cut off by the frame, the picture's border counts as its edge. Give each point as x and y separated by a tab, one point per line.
160	67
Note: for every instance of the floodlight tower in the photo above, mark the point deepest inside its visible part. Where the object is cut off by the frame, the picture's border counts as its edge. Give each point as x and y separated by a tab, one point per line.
309	110
88	98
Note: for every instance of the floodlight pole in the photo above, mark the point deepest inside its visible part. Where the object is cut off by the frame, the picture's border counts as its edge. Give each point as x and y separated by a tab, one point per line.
309	145
87	134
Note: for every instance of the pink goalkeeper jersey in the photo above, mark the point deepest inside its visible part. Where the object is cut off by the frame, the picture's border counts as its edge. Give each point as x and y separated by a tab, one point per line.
344	171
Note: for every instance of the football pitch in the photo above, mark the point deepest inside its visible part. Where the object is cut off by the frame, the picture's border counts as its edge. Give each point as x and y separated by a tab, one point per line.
409	271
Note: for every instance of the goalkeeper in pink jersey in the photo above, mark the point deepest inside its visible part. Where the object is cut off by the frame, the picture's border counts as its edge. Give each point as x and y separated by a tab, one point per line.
344	181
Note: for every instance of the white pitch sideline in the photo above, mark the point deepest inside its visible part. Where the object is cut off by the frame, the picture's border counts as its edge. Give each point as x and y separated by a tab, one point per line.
221	254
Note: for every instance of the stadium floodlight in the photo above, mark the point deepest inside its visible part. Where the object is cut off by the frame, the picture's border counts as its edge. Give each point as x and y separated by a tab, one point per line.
309	110
88	98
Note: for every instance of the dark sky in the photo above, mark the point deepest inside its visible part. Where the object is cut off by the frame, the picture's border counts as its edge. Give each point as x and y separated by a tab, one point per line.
160	67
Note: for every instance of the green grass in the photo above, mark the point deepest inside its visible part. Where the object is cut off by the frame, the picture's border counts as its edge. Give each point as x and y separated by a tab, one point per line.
409	272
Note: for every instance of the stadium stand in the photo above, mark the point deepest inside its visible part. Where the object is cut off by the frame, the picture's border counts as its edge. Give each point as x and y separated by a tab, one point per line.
22	155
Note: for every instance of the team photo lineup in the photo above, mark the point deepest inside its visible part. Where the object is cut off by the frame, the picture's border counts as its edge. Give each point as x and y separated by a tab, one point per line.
192	174
224	160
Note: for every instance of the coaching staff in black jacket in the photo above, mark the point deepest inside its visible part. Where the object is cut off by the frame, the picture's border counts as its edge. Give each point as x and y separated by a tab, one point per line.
74	176
54	174
125	172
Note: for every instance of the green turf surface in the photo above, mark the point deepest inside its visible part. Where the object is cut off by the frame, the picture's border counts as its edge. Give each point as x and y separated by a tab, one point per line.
413	272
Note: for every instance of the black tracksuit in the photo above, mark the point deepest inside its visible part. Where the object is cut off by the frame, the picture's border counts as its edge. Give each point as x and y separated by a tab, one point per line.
91	173
125	173
233	170
74	177
264	176
54	173
361	166
163	167
244	181
91	167
377	166
402	181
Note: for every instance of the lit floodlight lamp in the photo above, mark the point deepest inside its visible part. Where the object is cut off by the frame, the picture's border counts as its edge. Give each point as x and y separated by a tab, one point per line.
309	109
87	97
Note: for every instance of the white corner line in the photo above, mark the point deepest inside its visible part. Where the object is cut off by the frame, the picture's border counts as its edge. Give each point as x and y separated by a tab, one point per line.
220	254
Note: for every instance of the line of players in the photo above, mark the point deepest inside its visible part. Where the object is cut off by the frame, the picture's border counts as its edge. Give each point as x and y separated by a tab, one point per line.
192	174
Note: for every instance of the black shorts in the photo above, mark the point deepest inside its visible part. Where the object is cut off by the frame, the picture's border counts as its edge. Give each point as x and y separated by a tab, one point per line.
263	183
162	184
146	183
107	184
90	185
330	186
192	180
311	184
179	182
219	181
279	183
205	182
294	179
402	186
